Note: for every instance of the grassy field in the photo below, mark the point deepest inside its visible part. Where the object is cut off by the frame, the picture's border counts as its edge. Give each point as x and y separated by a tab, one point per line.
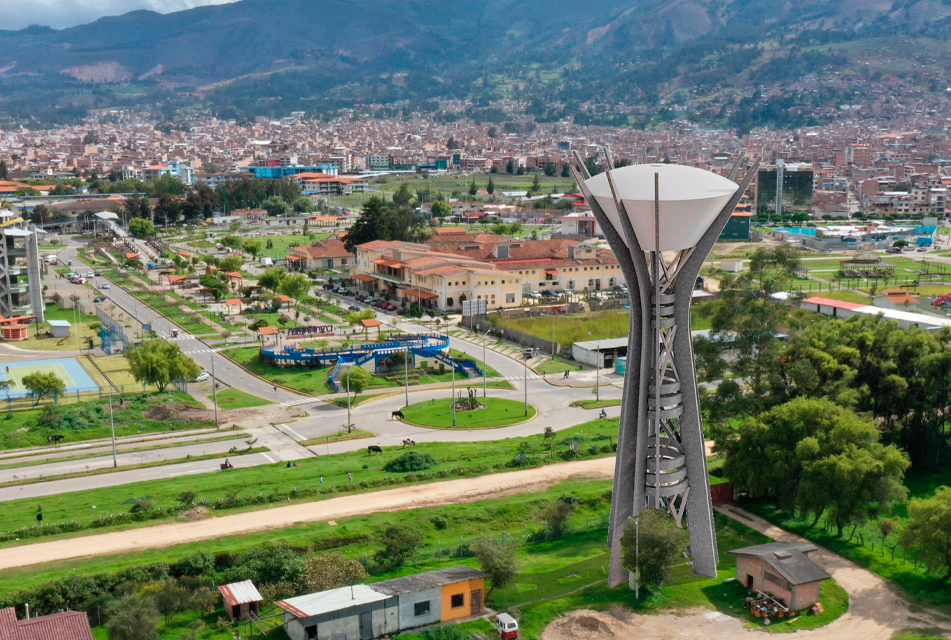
603	324
237	399
557	575
340	436
25	429
556	366
283	243
40	339
315	381
498	412
594	404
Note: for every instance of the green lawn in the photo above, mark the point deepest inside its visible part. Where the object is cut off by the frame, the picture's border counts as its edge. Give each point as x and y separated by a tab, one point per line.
283	243
594	404
315	381
340	436
556	366
23	428
498	412
237	399
453	460
557	575
602	324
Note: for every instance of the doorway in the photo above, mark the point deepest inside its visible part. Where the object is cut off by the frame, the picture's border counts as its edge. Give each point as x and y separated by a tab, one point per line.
749	581
366	626
476	601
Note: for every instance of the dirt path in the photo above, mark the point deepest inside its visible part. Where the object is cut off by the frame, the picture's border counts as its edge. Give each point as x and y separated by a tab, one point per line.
876	611
414	497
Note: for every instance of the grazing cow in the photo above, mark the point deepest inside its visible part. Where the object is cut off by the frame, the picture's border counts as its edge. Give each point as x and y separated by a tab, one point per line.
396	414
374	449
409	442
54	439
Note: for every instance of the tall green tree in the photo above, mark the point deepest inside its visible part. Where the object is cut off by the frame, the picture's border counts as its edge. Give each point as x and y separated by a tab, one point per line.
295	286
272	277
815	456
141	228
132	618
501	563
331	571
399	545
42	384
653	546
928	529
160	363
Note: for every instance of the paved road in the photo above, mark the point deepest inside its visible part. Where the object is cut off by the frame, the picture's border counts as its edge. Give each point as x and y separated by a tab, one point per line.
552	403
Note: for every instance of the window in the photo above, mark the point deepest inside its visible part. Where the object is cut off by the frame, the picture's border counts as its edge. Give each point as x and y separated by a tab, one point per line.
458	600
421	608
509	298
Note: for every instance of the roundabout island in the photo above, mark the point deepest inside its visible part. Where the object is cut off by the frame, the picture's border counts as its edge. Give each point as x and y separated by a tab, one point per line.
472	412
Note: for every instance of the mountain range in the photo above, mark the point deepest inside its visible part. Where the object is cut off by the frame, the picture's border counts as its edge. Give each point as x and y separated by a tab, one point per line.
257	56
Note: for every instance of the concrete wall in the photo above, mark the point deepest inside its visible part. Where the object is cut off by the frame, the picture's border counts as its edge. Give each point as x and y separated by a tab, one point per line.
465	589
345	624
408	617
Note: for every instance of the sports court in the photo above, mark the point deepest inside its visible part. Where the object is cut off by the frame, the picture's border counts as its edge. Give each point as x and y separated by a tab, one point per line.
68	369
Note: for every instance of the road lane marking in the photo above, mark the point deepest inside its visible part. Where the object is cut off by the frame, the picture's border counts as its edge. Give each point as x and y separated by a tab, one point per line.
269	458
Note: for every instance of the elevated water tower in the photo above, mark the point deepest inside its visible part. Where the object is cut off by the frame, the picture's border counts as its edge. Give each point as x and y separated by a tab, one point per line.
661	220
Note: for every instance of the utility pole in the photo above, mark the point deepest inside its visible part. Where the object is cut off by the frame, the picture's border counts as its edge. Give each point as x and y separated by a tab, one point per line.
214	387
597	364
112	424
349	423
485	385
406	374
525	361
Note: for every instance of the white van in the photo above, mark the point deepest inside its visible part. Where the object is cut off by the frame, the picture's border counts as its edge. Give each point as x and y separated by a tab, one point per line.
506	626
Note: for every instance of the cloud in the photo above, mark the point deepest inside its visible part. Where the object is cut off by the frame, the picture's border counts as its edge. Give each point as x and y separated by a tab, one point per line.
17	14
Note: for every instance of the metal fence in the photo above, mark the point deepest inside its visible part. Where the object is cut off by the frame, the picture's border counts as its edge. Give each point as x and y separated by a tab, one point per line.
30	401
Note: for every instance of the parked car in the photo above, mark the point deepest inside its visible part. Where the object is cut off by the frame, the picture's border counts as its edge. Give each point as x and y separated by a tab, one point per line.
355	308
378	303
201	377
389	306
922	249
328	287
361	298
105	285
79	281
97	273
99	299
344	291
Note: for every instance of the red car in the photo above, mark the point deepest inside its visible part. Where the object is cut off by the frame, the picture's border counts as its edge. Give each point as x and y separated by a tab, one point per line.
389	306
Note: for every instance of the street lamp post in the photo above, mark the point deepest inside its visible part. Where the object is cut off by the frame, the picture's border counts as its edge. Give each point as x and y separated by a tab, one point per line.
453	391
406	374
112	424
597	363
485	385
349	423
798	321
214	387
525	362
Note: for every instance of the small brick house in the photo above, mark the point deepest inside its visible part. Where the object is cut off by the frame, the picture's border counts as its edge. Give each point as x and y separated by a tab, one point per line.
783	570
241	599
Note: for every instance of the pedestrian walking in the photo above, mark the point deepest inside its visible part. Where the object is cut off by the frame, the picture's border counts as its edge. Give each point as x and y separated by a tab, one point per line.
350	477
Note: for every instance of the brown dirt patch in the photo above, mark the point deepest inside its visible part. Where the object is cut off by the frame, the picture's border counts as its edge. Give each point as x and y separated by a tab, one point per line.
195	514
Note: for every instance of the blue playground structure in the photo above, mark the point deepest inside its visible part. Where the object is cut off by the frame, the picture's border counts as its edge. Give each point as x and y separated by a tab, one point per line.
423	345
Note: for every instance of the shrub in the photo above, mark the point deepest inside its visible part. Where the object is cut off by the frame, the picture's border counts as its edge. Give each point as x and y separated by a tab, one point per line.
440	522
197	564
410	461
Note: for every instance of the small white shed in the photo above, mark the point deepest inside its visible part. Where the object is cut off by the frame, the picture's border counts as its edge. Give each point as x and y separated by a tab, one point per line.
60	328
733	266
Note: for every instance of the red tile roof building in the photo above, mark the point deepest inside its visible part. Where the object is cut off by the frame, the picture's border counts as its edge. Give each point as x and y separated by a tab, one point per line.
68	625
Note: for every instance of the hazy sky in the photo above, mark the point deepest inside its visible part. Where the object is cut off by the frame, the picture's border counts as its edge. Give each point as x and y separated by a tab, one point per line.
16	14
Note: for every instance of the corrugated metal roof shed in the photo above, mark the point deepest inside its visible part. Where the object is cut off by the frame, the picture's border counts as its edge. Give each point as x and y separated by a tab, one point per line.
315	604
428	580
240	593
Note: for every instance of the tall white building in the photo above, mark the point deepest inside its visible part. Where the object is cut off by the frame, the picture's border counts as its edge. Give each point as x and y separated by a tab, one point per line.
21	287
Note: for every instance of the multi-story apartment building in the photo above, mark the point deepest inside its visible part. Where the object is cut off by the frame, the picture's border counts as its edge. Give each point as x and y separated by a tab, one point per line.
21	289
